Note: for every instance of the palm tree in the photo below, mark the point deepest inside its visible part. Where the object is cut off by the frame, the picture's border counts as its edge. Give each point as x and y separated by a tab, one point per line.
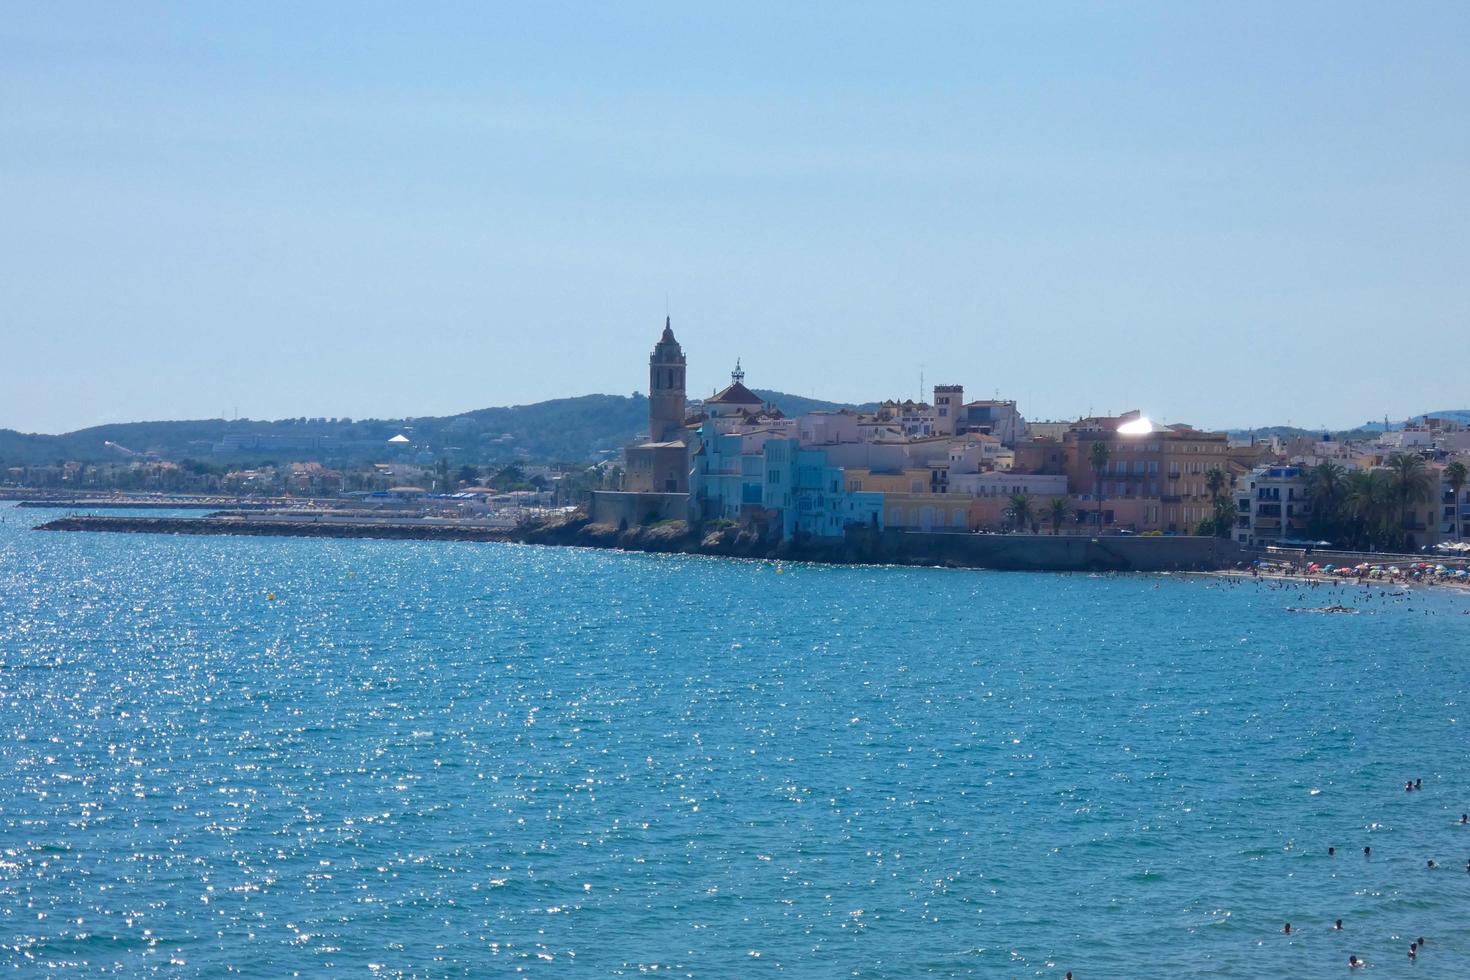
1216	481
1370	502
1327	486
1019	510
1098	457
1058	512
1411	482
1454	475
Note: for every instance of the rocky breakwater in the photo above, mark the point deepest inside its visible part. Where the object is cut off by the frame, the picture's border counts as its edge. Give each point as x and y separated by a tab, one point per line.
277	527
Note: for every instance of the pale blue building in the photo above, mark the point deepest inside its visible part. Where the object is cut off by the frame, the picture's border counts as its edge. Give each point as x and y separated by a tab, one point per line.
760	475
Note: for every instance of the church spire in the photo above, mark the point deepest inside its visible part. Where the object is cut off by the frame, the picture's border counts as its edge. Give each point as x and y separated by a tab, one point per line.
737	375
668	337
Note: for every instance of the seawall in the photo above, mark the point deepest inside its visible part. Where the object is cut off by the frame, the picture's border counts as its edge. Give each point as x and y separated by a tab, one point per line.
1018	552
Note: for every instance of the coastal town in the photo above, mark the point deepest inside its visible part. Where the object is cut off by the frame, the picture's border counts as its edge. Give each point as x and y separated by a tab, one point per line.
979	466
734	460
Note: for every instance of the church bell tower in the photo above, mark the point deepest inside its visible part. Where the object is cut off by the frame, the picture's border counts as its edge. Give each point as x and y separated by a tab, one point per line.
666	389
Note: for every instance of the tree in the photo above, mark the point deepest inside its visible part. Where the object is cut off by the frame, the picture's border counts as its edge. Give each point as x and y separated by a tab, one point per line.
1411	483
1216	481
468	475
1058	512
1018	511
1327	487
1098	458
509	477
1454	475
1369	504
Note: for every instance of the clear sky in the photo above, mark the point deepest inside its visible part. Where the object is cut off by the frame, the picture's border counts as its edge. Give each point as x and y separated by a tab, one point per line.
1226	213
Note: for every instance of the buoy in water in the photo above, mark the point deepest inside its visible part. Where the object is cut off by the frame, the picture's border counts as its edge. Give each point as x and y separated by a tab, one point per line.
270	597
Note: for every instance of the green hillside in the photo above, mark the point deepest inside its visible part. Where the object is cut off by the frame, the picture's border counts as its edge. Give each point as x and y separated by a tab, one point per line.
563	429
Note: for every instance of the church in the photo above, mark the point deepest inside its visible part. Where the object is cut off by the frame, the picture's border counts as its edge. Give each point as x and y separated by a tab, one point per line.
661	464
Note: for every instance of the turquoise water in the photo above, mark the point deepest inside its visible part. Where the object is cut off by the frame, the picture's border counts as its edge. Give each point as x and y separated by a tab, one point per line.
442	759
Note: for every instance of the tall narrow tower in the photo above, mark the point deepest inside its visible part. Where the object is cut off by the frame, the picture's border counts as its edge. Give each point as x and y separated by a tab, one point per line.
666	388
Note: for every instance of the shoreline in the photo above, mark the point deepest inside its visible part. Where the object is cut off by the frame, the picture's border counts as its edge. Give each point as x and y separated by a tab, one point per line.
1462	586
861	546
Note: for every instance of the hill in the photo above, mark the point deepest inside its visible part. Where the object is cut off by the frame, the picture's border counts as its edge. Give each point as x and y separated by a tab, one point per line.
562	429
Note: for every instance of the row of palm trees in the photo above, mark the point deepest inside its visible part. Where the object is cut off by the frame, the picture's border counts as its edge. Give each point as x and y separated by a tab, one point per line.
1371	508
1021	513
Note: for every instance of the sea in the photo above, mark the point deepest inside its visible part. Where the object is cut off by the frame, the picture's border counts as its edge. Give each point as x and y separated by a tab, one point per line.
274	757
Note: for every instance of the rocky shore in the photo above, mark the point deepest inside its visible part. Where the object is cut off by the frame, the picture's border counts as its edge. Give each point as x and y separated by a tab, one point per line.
1019	552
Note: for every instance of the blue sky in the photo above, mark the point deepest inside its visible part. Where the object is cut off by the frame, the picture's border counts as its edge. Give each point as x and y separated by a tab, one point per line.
1230	214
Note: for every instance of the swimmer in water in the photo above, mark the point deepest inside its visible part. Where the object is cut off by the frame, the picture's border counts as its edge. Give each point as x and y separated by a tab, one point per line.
1413	953
1354	962
1337	925
1367	852
1420	943
1465	818
1408	786
1430	864
1418	784
1331	851
1286	928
